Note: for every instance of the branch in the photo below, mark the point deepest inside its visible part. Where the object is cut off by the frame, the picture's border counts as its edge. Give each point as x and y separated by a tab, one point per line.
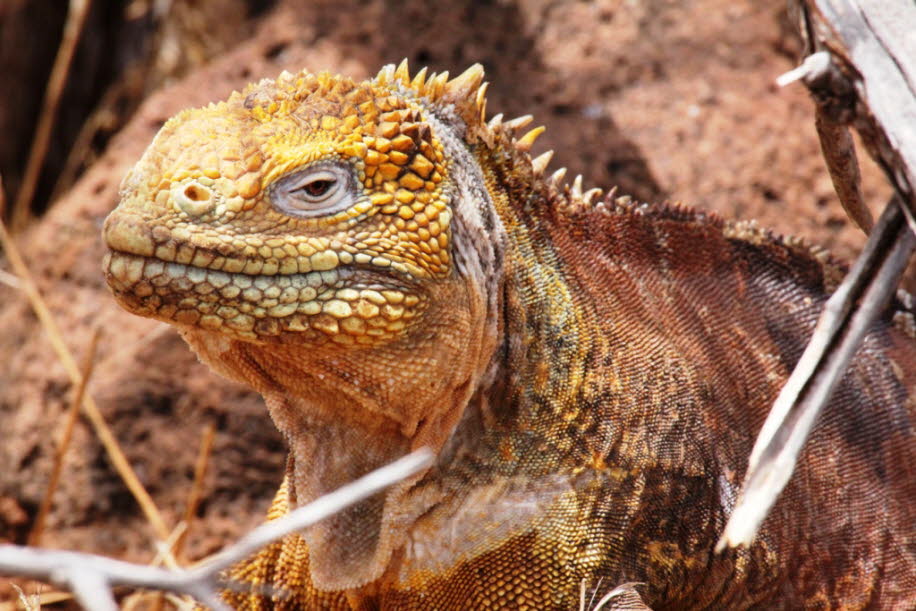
92	577
64	444
860	71
837	336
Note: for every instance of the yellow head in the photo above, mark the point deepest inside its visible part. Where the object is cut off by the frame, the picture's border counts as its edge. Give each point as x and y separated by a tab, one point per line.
308	208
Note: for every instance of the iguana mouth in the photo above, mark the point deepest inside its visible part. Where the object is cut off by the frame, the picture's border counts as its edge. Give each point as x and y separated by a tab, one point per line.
346	305
277	294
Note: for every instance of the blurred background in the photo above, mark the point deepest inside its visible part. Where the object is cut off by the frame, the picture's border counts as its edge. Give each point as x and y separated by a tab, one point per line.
668	99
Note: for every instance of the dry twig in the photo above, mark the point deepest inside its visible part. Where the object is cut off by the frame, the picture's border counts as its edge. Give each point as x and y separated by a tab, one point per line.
840	156
836	142
860	72
837	336
200	471
91	577
9	280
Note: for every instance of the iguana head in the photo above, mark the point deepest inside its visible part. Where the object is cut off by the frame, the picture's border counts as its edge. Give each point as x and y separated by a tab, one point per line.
310	208
334	244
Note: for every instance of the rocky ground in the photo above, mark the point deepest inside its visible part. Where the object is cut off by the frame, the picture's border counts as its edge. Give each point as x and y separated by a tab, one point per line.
667	99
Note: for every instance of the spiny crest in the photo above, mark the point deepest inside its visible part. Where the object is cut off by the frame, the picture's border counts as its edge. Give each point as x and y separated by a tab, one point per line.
467	91
575	193
467	94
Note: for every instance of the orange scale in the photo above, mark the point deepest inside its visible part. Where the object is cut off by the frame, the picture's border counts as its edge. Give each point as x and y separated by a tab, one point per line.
403	143
422	166
406	197
230	170
387	129
411	181
389	170
398	157
373	158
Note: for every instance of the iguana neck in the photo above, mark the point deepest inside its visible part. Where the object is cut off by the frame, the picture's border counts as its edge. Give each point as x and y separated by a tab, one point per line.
345	413
540	321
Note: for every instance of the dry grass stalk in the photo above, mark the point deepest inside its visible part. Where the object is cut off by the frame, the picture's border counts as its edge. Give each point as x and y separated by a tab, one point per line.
196	493
64	444
73	28
102	431
34	601
9	280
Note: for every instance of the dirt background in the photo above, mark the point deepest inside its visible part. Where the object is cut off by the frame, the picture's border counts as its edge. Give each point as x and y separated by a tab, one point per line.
667	99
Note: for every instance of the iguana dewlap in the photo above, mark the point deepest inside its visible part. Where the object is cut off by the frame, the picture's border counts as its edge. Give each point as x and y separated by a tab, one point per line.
390	271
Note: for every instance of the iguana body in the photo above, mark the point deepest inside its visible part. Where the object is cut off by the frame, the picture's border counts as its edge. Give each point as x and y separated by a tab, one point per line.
391	272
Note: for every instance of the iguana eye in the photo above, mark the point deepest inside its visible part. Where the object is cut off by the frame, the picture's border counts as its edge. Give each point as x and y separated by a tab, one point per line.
318	188
315	191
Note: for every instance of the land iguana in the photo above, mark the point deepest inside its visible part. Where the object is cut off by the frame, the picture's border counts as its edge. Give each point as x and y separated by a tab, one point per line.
391	271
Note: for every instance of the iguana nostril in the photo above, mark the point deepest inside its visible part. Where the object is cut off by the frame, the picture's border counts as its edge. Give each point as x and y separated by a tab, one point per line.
192	198
196	194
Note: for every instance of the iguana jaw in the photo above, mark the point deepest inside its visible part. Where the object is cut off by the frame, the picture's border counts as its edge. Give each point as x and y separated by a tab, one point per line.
344	409
328	301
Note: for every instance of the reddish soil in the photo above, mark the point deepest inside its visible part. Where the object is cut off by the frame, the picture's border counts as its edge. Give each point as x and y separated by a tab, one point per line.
667	99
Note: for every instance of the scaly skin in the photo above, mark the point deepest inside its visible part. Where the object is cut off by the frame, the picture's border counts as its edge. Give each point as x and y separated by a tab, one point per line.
392	272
